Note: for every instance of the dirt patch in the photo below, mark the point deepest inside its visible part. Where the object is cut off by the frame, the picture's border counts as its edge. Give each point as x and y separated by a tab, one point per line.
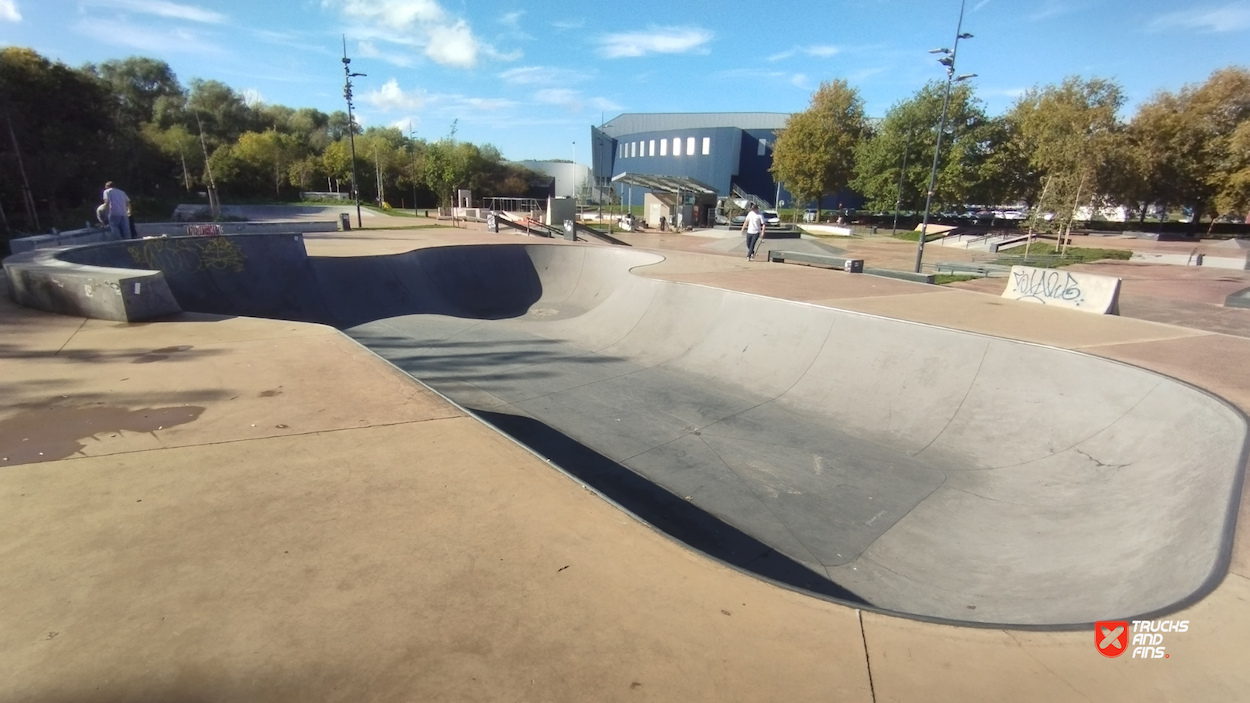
49	434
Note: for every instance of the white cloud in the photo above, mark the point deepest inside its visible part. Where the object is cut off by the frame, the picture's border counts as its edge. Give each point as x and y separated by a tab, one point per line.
542	75
654	41
569	24
253	97
162	8
395	30
406	125
573	100
391	98
453	46
512	18
799	80
153	41
820	51
980	5
1229	18
8	11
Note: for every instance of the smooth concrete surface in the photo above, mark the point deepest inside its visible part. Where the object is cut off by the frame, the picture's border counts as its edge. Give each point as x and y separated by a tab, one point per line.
837	470
40	279
272	646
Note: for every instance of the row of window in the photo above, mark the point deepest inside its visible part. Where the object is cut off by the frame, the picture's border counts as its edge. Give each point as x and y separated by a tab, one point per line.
627	150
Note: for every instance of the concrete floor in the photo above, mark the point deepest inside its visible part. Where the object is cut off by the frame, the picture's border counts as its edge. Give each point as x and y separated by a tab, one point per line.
294	528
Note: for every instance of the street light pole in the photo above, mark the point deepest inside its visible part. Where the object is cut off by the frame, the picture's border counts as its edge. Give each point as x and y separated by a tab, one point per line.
947	60
351	126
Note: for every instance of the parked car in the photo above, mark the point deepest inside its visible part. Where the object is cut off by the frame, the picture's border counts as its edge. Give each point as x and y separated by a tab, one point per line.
771	217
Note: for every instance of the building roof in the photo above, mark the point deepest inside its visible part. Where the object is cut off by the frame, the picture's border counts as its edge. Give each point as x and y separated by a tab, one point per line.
664	184
634	122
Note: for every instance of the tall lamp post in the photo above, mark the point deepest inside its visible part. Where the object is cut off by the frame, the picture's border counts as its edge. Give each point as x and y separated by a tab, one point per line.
351	126
947	60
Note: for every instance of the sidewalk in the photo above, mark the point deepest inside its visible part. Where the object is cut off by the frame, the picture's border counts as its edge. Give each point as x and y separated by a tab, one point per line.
235	509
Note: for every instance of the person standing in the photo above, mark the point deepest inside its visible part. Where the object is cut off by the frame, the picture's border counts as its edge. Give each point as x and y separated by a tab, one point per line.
754	228
118	205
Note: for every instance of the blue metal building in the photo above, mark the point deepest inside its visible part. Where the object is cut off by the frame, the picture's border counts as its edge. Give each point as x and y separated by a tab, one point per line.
724	150
728	151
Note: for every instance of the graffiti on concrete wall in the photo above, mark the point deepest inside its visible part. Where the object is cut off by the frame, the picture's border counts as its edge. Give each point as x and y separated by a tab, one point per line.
1078	290
189	255
1047	286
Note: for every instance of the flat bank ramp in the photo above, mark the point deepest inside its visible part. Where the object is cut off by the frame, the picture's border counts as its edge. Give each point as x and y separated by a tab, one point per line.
901	466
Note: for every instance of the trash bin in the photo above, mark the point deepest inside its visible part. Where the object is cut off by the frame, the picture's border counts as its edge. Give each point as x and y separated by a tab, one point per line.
345	221
854	265
874	229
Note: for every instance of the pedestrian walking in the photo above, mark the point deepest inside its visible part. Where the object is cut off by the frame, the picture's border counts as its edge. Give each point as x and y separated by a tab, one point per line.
118	205
754	228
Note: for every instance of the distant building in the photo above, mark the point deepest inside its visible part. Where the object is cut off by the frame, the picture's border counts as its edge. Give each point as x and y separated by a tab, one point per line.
570	178
731	152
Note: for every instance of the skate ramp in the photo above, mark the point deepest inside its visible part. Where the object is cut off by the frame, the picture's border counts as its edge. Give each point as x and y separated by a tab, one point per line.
915	469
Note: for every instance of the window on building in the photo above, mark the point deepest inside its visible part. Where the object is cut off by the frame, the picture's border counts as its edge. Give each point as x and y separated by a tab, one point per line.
676	146
620	148
633	148
707	145
651	148
761	149
690	146
663	147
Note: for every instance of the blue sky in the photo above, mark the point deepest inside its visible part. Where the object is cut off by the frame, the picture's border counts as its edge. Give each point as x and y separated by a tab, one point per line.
530	77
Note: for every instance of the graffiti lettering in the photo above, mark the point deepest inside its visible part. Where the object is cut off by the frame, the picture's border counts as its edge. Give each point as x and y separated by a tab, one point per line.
1047	285
204	230
189	255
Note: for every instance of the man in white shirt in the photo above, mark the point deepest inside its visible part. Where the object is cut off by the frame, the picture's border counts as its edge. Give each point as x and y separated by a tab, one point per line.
118	206
754	228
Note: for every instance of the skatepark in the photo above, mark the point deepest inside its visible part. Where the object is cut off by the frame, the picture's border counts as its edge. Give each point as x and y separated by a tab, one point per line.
362	456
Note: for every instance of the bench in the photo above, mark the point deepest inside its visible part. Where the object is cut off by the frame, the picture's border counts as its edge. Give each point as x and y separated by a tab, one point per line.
827	260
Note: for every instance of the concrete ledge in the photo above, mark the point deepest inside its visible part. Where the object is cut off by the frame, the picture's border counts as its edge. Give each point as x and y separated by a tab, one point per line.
1086	292
90	235
40	280
837	262
184	229
902	275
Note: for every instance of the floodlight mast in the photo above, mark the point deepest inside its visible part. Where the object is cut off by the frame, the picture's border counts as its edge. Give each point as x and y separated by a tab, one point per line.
351	126
947	60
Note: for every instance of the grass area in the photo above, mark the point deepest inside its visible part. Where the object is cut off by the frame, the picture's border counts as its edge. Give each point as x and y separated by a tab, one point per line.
914	236
943	278
1046	255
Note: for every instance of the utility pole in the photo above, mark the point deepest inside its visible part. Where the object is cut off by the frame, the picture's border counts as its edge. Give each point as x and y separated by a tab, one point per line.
214	205
351	124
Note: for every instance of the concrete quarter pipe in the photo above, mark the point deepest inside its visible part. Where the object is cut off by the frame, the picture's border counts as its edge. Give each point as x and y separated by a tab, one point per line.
911	468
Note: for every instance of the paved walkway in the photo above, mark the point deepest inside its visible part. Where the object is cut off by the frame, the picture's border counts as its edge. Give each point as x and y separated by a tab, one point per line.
234	509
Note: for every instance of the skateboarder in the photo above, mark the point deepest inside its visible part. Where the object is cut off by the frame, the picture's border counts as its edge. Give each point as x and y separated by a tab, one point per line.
118	211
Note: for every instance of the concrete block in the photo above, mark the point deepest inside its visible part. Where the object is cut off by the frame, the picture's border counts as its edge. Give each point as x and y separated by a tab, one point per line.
1086	292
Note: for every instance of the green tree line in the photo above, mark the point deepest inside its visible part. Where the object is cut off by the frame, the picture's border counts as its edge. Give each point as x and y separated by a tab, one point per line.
1056	149
64	131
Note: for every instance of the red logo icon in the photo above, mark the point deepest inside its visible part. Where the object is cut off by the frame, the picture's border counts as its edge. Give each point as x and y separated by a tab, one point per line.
1111	637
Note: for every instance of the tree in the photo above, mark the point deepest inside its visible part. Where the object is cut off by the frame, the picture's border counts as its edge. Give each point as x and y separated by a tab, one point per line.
1066	135
815	151
1187	142
269	152
177	143
965	172
137	83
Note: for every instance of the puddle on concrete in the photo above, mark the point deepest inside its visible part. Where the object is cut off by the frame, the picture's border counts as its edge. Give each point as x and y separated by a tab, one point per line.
49	434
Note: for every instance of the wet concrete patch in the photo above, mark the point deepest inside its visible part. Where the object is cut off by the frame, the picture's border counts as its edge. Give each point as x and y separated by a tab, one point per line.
49	434
160	354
